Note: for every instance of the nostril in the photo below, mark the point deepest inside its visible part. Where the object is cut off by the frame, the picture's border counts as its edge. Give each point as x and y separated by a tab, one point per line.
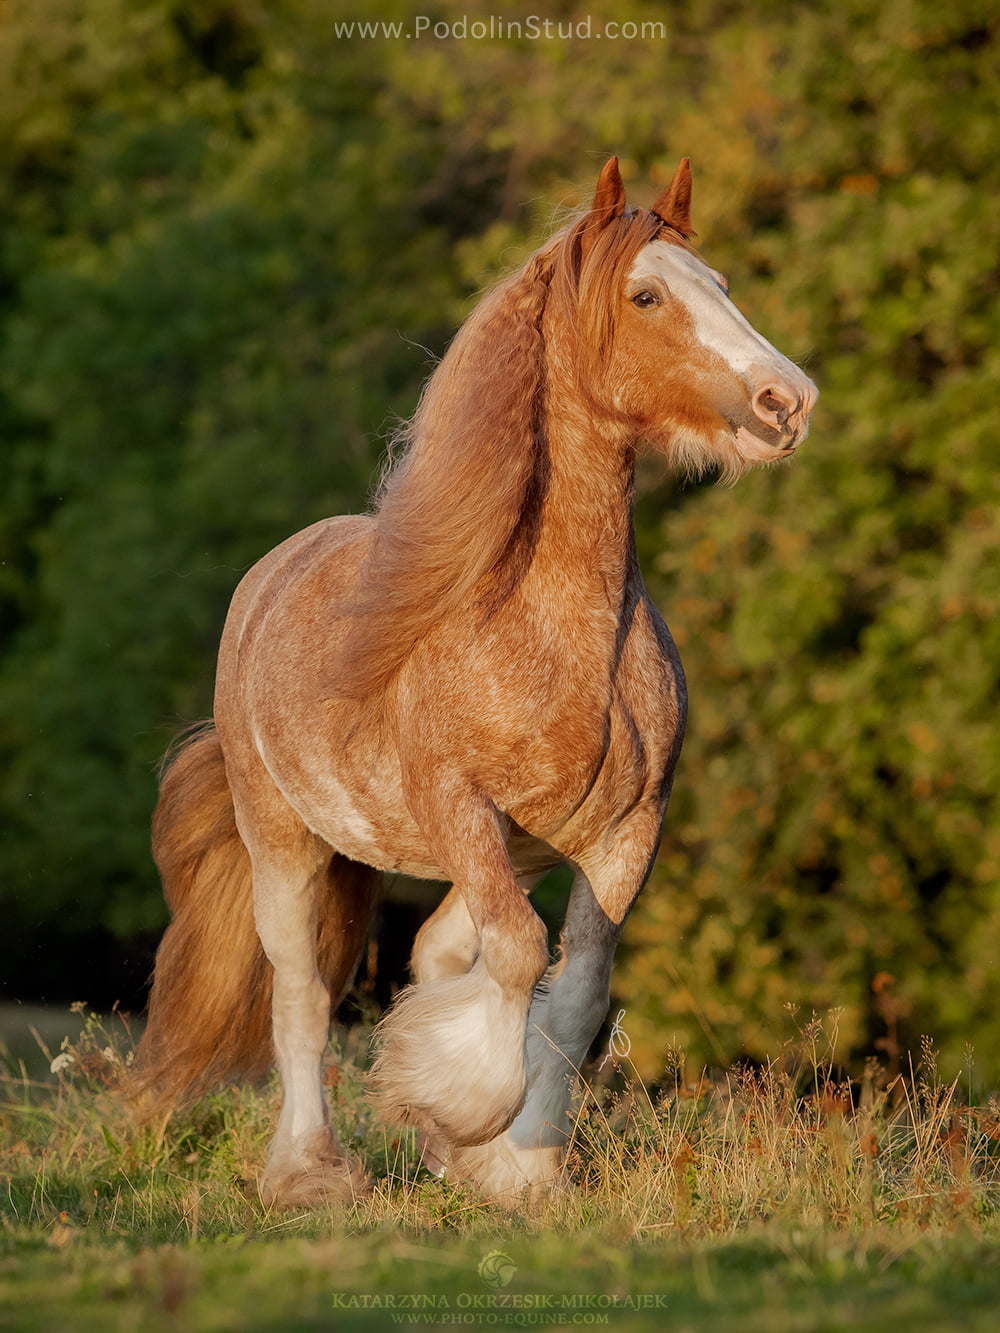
774	406
770	402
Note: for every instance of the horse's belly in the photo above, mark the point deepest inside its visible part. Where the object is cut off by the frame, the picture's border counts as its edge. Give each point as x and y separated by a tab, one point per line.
404	851
360	839
356	805
357	838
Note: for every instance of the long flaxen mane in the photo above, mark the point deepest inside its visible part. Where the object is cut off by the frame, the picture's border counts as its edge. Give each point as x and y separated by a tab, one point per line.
462	504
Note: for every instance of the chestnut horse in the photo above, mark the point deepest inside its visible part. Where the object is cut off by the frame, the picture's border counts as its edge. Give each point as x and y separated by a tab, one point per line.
469	684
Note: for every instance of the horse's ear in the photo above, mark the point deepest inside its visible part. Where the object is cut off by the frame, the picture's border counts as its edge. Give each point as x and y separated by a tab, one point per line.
609	198
674	204
609	204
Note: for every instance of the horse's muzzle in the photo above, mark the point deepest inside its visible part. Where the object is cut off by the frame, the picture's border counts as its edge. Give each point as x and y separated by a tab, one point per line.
784	406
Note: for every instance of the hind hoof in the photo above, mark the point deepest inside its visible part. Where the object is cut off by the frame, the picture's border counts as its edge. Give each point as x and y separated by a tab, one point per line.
318	1175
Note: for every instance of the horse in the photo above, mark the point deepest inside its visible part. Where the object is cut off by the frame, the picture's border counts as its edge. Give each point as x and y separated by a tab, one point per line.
468	684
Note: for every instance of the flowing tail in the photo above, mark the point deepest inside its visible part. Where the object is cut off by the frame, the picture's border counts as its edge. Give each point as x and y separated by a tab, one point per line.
210	1005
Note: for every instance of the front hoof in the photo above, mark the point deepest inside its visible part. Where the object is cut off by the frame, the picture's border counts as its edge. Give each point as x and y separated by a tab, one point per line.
435	1155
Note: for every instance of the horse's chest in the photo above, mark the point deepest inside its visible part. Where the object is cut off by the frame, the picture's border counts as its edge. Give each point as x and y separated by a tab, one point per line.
640	740
584	776
599	758
548	723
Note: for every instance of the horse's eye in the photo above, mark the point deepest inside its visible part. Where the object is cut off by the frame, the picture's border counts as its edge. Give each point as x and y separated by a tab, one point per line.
645	300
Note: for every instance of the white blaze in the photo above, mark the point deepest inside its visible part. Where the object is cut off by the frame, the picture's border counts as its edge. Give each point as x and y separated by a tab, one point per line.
717	322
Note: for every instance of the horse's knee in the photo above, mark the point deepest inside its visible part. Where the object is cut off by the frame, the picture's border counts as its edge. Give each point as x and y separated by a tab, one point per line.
516	952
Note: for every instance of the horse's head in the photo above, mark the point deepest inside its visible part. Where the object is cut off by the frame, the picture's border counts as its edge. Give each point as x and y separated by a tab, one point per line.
680	364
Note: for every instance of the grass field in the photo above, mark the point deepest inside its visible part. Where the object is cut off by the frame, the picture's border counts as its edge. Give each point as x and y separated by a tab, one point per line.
773	1199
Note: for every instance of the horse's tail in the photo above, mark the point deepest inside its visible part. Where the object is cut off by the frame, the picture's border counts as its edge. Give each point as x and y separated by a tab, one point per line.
210	1004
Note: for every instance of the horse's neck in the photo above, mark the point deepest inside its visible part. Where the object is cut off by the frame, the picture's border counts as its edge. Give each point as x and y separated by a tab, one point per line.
586	536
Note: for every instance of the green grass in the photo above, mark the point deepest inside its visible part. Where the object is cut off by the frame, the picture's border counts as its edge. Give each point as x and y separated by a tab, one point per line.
774	1199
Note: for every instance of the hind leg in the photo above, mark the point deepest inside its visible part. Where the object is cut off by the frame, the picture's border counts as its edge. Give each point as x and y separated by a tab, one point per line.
451	1050
312	909
302	892
306	1162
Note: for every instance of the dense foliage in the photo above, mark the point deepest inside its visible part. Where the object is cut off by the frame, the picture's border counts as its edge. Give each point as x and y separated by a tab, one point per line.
229	238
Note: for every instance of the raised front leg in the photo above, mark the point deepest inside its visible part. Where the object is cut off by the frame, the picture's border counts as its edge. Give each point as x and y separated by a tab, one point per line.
451	1051
446	946
565	1016
447	942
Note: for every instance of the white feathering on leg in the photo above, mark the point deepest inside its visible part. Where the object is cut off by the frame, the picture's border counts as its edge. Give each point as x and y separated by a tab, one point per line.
451	1058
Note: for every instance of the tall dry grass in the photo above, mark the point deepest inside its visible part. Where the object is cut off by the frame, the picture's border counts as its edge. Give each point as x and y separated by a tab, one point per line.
794	1143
